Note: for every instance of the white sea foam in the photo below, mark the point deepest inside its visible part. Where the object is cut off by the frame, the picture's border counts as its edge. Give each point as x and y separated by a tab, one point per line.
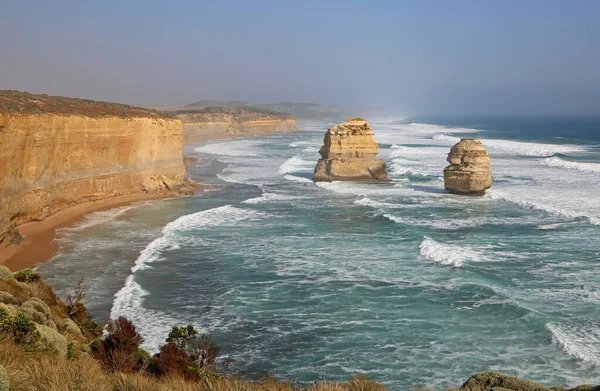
516	147
130	298
302	162
233	148
297	144
581	341
296	164
296	178
540	205
272	197
447	254
555	161
366	201
101	217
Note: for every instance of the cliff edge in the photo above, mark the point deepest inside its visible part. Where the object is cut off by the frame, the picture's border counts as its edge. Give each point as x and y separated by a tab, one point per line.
57	152
349	153
225	122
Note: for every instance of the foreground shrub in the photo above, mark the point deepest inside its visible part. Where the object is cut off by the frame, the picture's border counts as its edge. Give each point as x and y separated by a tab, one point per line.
173	361
118	351
202	350
79	314
27	275
22	329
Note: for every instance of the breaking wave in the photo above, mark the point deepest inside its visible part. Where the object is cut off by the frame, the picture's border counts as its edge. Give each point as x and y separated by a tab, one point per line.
129	300
581	341
555	161
516	147
447	254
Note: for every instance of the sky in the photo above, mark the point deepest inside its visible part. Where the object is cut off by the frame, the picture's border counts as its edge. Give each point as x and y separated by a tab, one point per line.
410	57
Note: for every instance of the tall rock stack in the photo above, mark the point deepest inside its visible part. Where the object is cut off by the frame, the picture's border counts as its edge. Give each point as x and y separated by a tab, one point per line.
469	172
349	153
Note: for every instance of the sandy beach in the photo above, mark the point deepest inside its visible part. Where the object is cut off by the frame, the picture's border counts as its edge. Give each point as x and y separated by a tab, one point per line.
39	245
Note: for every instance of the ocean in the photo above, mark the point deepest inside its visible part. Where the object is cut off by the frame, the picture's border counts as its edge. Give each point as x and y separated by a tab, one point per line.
399	281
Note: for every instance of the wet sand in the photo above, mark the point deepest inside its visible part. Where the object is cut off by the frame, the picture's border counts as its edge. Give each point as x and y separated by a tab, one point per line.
39	245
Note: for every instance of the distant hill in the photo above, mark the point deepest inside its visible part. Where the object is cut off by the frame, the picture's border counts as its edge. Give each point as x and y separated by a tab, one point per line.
302	111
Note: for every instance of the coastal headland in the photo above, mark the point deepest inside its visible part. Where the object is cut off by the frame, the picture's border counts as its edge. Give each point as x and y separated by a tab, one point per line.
76	156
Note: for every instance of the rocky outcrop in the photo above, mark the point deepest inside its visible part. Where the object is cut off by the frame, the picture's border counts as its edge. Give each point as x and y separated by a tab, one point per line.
58	152
469	172
349	153
220	122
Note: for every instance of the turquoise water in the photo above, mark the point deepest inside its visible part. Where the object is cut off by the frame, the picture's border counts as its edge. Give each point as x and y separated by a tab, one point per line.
399	281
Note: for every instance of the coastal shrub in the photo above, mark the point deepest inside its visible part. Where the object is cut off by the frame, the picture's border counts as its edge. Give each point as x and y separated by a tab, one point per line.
71	329
38	311
51	341
173	361
143	359
7	298
5	273
202	350
21	328
78	312
118	351
71	351
27	275
496	381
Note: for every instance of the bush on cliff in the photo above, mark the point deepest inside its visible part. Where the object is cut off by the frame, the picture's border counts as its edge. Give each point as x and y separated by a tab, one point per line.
27	275
118	351
21	328
79	314
186	355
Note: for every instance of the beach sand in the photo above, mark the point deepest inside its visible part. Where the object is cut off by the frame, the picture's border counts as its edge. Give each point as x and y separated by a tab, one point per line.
39	245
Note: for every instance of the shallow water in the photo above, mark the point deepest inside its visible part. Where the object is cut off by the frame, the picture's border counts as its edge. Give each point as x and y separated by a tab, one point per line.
399	281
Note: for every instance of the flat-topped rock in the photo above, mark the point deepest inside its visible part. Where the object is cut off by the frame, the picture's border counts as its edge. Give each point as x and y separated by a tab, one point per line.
469	172
349	153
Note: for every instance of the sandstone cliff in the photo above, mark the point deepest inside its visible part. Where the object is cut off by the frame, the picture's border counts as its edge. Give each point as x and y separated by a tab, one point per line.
220	122
58	152
469	172
349	152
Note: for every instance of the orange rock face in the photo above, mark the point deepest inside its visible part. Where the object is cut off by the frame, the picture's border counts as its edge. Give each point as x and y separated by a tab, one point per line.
209	126
349	153
49	162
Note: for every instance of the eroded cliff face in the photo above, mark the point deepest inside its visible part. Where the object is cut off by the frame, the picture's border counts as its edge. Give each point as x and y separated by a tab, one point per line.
469	172
198	127
49	162
349	153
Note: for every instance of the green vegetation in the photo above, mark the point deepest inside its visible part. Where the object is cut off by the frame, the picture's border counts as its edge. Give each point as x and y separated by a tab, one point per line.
16	102
232	110
27	275
21	328
302	111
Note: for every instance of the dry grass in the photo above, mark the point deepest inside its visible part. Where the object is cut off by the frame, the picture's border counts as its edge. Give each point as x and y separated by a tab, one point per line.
27	371
39	371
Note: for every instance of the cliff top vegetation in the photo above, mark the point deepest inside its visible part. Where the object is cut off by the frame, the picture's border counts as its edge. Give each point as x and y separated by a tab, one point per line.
233	111
17	102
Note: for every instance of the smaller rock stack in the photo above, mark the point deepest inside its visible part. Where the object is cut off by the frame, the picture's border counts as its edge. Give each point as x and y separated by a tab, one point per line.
469	172
349	153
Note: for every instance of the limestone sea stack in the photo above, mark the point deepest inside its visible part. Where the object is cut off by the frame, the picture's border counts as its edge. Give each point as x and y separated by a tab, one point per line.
349	153
469	172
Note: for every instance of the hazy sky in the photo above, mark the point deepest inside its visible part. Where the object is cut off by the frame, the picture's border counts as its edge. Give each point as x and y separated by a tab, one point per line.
419	57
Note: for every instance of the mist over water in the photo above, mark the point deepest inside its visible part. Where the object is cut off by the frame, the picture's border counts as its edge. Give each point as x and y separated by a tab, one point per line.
399	281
